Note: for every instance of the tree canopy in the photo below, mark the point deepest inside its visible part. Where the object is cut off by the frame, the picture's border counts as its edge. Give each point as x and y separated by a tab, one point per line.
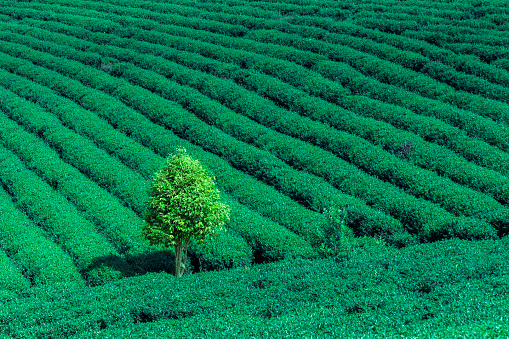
184	206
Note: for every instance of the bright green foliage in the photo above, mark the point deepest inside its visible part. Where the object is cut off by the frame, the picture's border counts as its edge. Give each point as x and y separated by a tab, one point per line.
184	206
404	178
339	241
269	238
394	113
10	276
43	260
423	291
207	109
94	256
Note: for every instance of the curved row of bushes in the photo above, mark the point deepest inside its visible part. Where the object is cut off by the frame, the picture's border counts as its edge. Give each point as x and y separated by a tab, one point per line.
11	277
43	261
475	174
477	40
196	79
456	139
320	198
434	293
439	35
274	240
486	53
121	225
95	258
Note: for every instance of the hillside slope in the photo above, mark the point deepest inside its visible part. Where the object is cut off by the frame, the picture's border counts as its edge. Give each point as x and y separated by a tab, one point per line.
396	113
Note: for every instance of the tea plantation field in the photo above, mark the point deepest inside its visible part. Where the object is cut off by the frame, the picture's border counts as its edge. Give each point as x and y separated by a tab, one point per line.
395	113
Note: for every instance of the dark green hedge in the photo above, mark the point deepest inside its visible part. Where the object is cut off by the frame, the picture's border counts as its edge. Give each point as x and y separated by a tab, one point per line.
451	288
41	259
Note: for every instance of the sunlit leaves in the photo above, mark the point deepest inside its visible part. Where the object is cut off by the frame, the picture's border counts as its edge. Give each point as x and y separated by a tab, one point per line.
184	205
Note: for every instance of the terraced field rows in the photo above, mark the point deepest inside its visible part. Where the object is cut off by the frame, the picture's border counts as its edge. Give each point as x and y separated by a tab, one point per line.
295	107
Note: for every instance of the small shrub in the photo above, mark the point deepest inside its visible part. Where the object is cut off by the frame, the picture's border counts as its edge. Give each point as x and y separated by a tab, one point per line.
338	237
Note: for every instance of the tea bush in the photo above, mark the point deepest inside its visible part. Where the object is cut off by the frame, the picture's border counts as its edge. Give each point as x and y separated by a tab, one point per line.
429	290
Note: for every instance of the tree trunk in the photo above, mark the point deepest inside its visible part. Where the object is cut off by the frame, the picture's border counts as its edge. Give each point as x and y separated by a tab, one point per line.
181	257
179	270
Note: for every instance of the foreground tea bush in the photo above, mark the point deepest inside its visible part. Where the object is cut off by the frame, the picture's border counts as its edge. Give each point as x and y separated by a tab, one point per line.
449	288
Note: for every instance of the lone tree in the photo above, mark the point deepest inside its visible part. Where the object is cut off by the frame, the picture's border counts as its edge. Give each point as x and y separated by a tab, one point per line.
184	206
